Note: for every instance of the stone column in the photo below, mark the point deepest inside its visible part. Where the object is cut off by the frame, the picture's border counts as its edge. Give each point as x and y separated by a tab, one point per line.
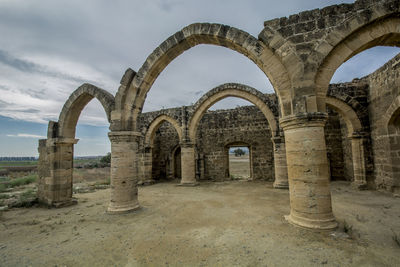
310	196
188	164
124	171
147	166
55	171
281	175
357	149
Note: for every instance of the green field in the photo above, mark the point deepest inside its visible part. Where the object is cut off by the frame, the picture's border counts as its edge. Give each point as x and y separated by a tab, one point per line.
18	163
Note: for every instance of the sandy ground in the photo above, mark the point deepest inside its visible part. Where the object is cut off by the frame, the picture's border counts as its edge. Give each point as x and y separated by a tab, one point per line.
239	167
215	224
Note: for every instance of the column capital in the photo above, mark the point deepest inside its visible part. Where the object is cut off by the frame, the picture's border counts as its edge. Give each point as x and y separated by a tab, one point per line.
186	144
61	141
316	119
358	135
124	136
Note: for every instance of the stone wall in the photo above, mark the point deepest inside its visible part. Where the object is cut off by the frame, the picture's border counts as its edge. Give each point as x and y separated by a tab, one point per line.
334	148
371	98
241	126
384	90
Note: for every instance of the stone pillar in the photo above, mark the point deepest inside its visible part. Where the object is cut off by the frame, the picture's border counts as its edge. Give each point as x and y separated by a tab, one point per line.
357	149
310	196
281	175
147	175
55	171
188	164
124	171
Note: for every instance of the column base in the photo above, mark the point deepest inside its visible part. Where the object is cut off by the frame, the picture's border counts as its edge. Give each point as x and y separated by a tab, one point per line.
281	185
147	182
325	224
60	204
359	185
123	209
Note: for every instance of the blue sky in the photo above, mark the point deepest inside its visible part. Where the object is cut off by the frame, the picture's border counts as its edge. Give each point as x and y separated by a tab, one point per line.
52	47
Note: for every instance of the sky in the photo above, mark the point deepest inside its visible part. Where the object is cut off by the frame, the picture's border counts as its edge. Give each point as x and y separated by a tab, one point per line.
49	48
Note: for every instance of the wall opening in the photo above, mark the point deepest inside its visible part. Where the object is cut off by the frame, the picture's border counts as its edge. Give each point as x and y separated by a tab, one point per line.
394	145
338	148
92	156
165	153
239	162
176	169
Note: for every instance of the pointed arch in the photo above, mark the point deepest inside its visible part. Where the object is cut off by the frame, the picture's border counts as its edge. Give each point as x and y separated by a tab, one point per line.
350	117
76	103
130	99
156	123
236	90
380	28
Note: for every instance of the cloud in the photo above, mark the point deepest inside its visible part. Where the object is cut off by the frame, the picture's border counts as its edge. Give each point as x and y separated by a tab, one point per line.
23	135
52	47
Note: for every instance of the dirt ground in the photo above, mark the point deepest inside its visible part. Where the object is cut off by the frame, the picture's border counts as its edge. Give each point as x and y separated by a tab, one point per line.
235	223
239	166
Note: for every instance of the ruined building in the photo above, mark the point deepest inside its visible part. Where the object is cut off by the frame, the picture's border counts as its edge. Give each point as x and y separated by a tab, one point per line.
302	137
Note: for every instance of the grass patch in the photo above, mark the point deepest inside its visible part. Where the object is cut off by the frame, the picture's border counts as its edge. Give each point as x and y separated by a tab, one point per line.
4	196
18	182
3	188
17	163
26	199
104	182
23	180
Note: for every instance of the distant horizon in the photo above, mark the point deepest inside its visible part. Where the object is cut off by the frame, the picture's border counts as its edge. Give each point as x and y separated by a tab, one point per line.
20	137
50	51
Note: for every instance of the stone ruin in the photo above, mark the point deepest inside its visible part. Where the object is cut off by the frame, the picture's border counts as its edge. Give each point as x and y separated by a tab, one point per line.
308	133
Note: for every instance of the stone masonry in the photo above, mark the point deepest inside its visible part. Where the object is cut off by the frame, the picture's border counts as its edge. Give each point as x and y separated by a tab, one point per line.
298	144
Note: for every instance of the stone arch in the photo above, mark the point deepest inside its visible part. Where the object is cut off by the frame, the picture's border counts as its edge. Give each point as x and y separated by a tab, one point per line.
236	90
355	133
156	123
76	102
350	117
379	28
391	115
130	98
392	127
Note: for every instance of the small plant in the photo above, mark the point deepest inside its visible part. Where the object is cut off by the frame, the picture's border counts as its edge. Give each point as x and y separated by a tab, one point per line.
22	181
4	196
3	188
347	228
106	159
27	198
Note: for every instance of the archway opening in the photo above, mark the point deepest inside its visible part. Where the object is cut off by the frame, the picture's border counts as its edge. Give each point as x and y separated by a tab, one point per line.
365	82
92	157
394	152
177	168
239	161
165	153
338	147
219	130
198	69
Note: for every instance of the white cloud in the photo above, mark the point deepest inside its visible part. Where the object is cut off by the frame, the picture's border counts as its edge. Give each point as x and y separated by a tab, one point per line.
23	135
